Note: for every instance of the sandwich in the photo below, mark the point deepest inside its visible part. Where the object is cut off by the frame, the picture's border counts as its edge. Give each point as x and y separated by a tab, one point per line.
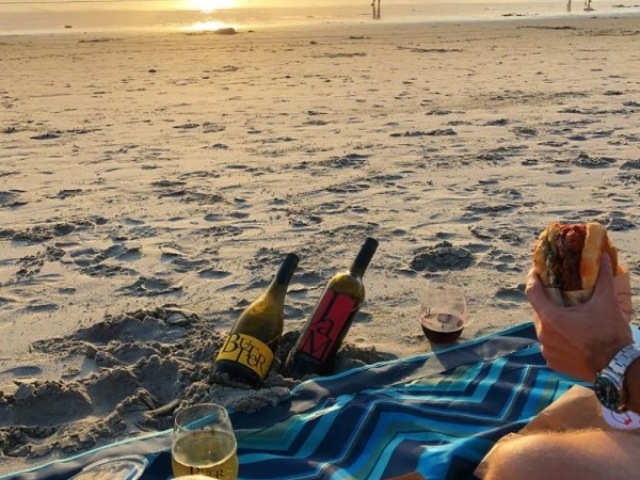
567	256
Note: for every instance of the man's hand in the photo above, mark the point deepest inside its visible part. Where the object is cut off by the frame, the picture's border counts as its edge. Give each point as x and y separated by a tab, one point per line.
581	340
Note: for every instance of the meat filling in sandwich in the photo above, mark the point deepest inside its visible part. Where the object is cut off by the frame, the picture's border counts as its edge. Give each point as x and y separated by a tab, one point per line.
564	256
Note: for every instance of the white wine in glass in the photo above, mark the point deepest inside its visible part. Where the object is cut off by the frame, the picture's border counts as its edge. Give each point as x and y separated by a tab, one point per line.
204	443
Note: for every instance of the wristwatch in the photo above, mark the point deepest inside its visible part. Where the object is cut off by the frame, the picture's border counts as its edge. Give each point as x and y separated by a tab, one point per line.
609	383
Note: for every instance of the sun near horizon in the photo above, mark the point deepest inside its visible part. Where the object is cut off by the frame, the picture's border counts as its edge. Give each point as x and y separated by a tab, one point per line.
208	6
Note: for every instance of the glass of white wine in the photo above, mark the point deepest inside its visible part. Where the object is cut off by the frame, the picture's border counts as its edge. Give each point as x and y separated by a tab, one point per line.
204	443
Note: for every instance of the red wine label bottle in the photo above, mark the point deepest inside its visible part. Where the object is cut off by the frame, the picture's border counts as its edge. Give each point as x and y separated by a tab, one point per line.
329	320
321	337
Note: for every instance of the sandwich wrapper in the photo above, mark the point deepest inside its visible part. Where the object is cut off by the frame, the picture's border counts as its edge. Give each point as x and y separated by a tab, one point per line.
621	285
578	408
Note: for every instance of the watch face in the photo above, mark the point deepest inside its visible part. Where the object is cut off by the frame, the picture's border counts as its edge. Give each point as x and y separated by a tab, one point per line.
607	393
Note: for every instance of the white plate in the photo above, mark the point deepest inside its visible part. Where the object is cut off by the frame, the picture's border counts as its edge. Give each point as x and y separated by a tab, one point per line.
129	467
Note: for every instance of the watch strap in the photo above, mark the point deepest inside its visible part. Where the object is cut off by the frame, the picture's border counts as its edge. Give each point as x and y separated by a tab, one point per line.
623	359
617	368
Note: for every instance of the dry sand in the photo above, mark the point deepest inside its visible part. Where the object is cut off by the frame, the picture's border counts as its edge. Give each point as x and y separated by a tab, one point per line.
151	184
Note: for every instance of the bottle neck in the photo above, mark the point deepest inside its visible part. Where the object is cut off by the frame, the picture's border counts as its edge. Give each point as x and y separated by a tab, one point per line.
361	262
285	272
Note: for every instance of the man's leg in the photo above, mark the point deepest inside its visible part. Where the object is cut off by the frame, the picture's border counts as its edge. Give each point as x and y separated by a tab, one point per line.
584	455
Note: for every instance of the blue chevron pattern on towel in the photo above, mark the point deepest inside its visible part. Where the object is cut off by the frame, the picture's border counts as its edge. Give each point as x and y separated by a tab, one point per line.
437	413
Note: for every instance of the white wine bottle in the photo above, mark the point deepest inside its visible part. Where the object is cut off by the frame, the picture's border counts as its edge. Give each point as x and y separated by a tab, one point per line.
316	348
247	354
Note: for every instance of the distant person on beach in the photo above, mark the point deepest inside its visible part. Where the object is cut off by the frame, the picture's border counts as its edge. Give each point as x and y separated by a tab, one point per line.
587	6
579	341
375	4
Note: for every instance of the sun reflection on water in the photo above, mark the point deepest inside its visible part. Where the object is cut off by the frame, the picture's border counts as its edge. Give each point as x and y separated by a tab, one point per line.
208	26
207	7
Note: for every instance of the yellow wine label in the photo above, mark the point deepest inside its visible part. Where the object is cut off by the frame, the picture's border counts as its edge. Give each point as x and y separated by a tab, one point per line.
247	351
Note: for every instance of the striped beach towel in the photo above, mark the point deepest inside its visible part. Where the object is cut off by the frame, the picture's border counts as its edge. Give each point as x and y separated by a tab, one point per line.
436	414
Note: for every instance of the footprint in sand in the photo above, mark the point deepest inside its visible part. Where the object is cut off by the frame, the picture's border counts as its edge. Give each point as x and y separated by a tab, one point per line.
11	199
511	296
213	273
110	387
443	256
50	404
92	261
24	372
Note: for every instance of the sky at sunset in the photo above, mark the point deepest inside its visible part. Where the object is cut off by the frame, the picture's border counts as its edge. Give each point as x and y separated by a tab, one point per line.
45	16
122	4
201	4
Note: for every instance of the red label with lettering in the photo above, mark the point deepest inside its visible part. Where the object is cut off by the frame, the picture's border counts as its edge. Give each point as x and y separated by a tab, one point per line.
329	320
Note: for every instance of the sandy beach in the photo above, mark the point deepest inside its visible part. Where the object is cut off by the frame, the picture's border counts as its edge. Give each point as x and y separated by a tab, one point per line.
151	184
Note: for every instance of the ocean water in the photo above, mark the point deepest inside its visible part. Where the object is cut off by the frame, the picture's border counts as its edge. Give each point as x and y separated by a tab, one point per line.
92	16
